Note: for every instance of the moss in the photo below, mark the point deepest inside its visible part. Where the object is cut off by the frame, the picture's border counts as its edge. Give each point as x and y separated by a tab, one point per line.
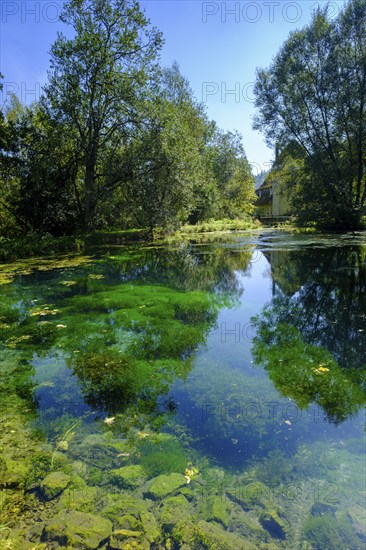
150	527
250	494
128	477
214	508
126	539
80	499
25	267
77	529
164	485
273	524
54	484
327	531
15	474
114	506
163	455
172	509
210	536
357	514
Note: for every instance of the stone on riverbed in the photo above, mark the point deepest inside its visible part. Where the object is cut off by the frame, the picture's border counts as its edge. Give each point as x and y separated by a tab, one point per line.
172	509
215	509
128	477
208	535
125	539
273	524
54	484
77	530
164	485
150	526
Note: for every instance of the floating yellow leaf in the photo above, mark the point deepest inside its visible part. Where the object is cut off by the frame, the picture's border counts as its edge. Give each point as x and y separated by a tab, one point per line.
44	311
12	342
320	370
190	473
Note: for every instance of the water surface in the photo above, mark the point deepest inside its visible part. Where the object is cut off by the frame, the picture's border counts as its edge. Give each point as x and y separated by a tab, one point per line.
238	363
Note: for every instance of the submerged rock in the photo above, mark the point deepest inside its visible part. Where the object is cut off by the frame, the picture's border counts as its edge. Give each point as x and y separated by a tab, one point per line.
203	534
274	524
125	539
150	526
116	506
14	473
82	499
358	518
174	508
249	495
128	477
77	530
319	509
330	531
63	446
215	509
165	484
54	484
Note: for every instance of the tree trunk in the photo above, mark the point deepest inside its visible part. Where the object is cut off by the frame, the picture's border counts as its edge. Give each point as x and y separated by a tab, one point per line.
90	199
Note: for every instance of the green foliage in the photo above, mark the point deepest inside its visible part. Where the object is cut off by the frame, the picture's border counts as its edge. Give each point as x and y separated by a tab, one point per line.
313	96
306	293
232	175
304	372
112	143
37	245
97	80
221	225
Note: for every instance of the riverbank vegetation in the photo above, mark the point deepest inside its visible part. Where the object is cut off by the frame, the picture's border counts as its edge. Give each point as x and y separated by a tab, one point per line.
311	106
115	139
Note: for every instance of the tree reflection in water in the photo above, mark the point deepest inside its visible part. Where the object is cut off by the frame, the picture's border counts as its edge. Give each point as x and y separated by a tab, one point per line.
311	338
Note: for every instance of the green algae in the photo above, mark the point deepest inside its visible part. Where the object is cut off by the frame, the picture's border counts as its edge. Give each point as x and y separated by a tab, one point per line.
162	455
328	531
25	267
305	372
126	342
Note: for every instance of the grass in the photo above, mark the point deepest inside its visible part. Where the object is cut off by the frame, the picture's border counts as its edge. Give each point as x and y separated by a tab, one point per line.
31	245
37	245
221	225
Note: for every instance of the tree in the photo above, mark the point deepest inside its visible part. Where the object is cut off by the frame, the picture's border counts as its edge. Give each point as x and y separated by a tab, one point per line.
162	164
46	174
96	82
314	93
10	223
232	174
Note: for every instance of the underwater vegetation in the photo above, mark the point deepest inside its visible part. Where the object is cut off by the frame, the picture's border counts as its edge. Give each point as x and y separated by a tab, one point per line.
307	373
126	423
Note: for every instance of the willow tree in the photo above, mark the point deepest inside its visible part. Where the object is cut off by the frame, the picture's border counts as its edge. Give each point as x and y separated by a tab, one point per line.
314	94
96	82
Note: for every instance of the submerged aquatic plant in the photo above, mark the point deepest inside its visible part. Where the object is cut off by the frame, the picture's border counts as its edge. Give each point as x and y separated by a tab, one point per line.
305	372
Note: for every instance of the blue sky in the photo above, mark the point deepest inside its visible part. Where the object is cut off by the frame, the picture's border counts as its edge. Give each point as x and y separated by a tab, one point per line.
218	46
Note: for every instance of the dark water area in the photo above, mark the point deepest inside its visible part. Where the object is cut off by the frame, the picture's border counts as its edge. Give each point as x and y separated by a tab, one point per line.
195	395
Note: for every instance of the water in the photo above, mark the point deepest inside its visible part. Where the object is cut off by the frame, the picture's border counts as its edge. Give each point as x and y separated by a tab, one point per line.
238	363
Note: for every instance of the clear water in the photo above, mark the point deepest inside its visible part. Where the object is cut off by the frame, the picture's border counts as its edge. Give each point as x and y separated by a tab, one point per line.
238	362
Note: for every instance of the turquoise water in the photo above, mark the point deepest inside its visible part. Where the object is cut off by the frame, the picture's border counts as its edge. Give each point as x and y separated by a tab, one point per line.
201	395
